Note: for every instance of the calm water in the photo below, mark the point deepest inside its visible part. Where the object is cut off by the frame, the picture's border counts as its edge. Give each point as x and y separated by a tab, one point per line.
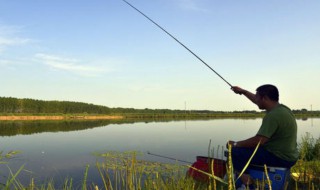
59	149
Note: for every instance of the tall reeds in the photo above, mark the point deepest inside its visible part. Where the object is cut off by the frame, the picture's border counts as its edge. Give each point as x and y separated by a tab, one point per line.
306	172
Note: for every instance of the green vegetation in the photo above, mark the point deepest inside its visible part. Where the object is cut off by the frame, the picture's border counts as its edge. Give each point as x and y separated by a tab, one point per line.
124	171
14	106
7	155
31	106
307	169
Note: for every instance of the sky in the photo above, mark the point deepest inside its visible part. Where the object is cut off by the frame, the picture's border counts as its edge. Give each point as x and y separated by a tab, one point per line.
104	52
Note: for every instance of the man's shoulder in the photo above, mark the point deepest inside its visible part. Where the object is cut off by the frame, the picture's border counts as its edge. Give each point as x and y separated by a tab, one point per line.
281	112
282	106
281	109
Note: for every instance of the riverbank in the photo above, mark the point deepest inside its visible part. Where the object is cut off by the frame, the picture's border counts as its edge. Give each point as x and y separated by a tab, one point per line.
139	116
57	117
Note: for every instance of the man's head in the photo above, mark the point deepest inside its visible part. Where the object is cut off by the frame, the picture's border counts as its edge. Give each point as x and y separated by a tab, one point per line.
267	96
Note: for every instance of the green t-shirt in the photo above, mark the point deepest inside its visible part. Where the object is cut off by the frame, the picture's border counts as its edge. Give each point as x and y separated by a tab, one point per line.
280	126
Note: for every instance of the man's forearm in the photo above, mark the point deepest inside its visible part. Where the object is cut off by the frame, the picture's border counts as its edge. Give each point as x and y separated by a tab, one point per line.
252	142
250	96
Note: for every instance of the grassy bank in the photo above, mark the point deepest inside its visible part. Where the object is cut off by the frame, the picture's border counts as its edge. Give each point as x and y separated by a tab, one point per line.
58	117
123	171
25	107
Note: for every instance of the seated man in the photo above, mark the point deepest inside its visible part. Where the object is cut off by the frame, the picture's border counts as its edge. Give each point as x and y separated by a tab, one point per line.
277	134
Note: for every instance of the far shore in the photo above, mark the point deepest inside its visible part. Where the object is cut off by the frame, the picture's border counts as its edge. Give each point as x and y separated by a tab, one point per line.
141	116
94	117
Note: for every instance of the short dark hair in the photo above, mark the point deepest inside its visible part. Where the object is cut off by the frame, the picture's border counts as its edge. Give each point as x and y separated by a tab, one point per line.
268	90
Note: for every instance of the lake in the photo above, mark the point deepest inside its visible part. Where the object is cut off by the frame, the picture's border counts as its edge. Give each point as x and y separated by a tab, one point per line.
63	149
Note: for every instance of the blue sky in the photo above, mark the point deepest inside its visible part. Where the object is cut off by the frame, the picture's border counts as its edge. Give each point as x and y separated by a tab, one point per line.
106	53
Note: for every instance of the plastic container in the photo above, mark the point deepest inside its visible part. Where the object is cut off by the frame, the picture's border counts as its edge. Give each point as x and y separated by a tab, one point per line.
278	176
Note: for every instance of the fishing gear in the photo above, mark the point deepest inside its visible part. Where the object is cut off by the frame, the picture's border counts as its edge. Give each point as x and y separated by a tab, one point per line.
170	158
178	42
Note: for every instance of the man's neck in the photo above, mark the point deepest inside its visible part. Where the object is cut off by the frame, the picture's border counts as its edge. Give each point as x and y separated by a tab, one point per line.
272	105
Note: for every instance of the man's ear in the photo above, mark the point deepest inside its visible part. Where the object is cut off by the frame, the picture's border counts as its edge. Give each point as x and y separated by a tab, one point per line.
266	98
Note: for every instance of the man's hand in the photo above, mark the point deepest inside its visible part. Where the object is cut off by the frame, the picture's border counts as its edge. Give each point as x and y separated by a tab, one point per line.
230	142
238	90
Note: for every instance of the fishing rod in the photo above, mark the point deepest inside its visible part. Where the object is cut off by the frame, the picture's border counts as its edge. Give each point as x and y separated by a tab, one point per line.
178	42
170	158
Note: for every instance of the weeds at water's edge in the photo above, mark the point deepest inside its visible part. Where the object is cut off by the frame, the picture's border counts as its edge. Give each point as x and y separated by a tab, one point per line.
122	170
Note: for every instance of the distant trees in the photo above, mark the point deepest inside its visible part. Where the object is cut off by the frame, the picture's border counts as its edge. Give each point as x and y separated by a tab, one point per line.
15	105
300	111
9	105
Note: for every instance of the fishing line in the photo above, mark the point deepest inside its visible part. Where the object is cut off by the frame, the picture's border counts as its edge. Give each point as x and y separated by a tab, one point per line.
177	41
170	158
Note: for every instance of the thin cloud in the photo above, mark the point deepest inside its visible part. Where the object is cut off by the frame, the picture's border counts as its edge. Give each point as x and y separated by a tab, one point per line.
69	65
6	42
12	41
8	38
5	62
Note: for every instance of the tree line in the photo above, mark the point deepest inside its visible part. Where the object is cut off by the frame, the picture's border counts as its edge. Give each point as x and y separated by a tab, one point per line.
32	106
10	105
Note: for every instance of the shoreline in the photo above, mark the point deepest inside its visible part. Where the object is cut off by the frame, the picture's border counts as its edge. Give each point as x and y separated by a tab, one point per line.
34	118
138	116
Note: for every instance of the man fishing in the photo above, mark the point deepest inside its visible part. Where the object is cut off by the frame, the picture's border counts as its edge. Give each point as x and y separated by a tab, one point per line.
277	134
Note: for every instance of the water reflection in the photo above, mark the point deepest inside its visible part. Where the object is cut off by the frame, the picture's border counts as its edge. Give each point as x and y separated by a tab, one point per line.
12	128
